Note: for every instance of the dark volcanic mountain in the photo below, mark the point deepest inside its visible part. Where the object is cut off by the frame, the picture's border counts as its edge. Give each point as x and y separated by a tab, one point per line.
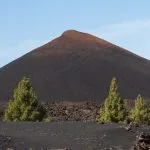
78	66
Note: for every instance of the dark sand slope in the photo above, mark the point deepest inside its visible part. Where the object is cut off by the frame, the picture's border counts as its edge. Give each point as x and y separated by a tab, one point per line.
71	135
78	66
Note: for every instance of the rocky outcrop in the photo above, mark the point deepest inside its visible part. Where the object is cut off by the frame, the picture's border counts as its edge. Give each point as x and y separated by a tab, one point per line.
5	142
142	142
69	111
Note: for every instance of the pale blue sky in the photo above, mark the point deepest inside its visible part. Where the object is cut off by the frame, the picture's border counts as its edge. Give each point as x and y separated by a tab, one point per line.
25	25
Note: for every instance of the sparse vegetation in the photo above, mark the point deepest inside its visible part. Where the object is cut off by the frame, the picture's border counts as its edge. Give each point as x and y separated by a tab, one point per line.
24	105
1	113
48	119
140	114
114	109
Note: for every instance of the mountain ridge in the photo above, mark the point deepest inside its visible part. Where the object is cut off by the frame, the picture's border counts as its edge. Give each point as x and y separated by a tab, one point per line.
77	66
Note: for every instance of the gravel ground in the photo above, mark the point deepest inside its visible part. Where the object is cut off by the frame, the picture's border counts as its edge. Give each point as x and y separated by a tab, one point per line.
70	135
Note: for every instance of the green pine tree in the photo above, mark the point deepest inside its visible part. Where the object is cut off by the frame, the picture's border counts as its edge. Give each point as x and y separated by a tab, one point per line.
114	109
24	106
140	114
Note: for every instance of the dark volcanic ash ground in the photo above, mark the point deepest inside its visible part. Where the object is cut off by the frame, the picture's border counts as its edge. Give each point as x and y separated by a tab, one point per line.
70	135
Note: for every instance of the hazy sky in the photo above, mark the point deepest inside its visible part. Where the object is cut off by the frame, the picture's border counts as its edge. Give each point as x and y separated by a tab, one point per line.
25	25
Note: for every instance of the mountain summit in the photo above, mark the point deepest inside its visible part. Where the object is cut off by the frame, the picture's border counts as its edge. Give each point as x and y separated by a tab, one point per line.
78	66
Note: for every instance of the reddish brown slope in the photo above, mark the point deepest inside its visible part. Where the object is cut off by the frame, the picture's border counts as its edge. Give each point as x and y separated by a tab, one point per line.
78	66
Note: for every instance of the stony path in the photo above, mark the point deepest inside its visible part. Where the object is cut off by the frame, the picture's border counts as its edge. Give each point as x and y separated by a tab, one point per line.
70	135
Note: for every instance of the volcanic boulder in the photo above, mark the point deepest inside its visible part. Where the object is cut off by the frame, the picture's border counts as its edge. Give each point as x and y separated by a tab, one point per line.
142	142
